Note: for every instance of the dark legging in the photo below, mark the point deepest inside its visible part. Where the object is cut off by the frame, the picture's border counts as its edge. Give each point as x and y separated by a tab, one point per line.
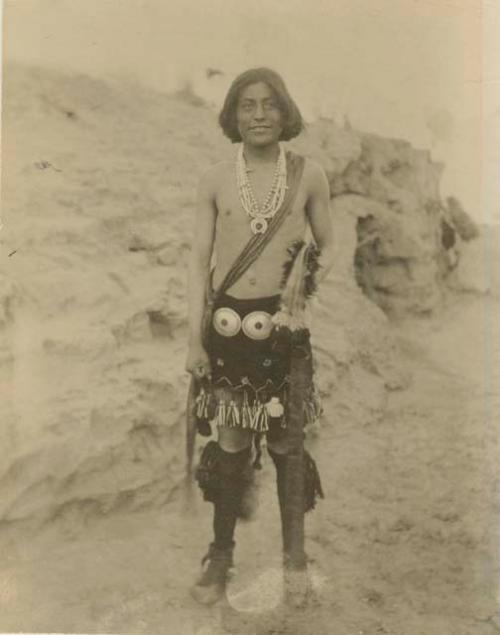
232	481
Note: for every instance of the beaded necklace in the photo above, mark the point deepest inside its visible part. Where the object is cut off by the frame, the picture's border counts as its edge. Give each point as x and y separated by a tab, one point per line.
260	215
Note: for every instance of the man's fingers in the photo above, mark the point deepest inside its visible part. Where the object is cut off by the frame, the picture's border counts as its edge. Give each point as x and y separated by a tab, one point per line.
200	370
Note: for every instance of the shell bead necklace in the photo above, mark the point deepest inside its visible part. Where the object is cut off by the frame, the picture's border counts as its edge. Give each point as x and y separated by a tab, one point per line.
260	215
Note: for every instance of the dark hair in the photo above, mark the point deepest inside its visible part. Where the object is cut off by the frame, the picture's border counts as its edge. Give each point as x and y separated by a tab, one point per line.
293	122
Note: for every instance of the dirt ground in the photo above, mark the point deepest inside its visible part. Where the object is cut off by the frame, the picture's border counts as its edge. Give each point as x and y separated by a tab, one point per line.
405	543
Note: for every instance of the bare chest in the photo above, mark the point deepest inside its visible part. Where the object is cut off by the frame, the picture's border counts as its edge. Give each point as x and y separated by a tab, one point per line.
232	232
233	222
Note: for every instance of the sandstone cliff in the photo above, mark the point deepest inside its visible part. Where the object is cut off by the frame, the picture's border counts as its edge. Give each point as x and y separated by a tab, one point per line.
409	241
97	195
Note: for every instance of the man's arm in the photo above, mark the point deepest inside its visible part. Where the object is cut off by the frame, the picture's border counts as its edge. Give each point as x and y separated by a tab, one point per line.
199	265
318	211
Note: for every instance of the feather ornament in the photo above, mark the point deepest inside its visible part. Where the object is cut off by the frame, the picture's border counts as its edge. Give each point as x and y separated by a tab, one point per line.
298	286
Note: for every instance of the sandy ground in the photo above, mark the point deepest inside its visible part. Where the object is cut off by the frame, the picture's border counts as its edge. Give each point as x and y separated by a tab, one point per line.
405	543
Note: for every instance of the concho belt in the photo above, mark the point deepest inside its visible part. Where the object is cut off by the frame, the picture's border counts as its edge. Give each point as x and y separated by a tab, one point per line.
256	325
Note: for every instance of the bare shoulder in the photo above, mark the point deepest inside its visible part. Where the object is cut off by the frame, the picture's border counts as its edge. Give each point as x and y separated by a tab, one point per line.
313	171
210	180
315	177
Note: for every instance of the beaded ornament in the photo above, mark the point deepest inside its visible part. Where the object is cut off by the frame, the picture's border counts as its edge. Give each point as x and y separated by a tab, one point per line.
274	199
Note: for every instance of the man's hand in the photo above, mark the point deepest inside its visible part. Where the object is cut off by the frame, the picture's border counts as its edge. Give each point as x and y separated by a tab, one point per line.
198	362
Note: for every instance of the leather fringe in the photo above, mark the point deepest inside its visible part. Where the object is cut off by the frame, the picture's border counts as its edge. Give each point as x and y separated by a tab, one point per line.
312	483
255	415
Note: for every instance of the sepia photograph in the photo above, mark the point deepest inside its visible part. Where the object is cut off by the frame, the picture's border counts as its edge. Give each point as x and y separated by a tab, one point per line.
249	334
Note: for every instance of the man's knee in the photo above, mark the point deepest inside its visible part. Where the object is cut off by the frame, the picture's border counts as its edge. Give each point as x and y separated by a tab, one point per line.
277	439
234	439
278	446
224	463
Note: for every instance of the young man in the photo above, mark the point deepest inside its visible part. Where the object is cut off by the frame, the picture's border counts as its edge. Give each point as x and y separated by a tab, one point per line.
252	214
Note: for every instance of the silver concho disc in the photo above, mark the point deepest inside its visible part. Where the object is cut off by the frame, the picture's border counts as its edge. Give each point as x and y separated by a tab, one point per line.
226	321
258	225
257	325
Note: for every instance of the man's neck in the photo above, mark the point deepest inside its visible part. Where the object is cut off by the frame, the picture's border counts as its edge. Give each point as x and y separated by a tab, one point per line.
255	155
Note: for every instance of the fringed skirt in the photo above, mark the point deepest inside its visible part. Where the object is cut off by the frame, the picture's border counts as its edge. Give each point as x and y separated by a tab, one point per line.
250	368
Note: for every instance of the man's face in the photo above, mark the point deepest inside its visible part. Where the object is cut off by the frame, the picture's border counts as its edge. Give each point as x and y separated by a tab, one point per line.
259	118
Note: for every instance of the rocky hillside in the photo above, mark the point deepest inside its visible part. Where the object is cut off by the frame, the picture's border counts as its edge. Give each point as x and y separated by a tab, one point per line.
97	198
409	242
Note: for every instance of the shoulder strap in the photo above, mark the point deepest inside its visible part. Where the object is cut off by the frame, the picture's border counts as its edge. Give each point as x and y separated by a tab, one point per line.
256	244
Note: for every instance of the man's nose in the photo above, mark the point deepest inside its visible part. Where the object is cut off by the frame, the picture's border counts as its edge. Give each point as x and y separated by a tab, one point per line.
259	111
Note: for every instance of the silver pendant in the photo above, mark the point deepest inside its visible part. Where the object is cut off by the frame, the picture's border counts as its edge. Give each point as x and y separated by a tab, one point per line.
258	225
